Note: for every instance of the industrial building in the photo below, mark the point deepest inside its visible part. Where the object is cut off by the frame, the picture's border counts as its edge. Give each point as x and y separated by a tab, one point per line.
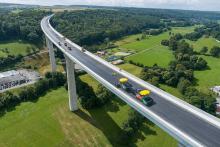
14	78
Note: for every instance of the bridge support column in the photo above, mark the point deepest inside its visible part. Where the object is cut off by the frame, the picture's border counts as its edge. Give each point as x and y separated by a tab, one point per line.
51	54
70	66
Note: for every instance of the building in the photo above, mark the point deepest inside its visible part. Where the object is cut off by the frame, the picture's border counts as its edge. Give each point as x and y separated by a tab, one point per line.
218	106
101	53
14	78
117	62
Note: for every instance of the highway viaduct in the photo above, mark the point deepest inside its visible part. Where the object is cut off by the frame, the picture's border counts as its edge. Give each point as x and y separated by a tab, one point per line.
189	125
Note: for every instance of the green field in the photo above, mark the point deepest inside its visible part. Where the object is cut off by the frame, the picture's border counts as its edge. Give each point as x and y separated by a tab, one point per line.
159	54
183	30
15	48
130	42
208	78
149	51
48	122
208	42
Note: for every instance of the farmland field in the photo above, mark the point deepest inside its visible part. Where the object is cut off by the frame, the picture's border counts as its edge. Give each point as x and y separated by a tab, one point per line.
149	51
15	48
208	78
159	55
208	42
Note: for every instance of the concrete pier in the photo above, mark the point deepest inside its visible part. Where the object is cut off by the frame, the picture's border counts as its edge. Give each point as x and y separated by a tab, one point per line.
70	67
51	54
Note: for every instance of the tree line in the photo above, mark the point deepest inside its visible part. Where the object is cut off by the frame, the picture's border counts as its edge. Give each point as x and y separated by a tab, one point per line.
9	60
97	26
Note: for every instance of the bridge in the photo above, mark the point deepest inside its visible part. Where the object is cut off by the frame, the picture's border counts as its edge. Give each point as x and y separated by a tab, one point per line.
189	125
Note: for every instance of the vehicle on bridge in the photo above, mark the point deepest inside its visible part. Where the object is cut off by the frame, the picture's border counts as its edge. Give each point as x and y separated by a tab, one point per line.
143	96
65	44
69	48
59	43
83	49
125	85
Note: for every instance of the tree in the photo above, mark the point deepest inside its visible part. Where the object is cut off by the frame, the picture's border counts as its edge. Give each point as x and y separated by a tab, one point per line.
28	50
200	64
215	51
196	101
33	49
165	42
173	44
204	50
103	94
155	81
183	84
33	37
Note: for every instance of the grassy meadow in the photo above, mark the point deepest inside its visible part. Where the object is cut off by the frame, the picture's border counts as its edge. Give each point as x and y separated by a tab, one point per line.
15	48
48	122
202	42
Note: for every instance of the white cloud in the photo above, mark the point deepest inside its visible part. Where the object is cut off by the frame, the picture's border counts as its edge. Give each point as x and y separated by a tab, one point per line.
175	4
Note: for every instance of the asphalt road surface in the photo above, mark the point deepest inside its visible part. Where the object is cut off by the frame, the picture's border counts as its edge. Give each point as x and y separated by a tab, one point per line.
192	125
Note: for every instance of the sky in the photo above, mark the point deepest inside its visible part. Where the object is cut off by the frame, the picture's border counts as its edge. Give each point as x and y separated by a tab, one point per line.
210	5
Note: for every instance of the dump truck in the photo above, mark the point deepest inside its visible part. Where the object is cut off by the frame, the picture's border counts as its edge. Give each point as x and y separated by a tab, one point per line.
143	96
69	48
125	85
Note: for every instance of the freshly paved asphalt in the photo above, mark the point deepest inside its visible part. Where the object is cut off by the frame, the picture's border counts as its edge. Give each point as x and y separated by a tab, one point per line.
195	127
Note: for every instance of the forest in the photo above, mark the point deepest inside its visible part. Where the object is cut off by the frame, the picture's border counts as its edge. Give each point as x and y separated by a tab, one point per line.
24	25
103	25
98	26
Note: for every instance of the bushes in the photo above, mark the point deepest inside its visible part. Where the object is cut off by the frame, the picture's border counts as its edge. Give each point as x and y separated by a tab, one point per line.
165	42
88	98
136	63
204	50
183	84
11	59
86	95
215	51
32	93
103	94
201	100
131	126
